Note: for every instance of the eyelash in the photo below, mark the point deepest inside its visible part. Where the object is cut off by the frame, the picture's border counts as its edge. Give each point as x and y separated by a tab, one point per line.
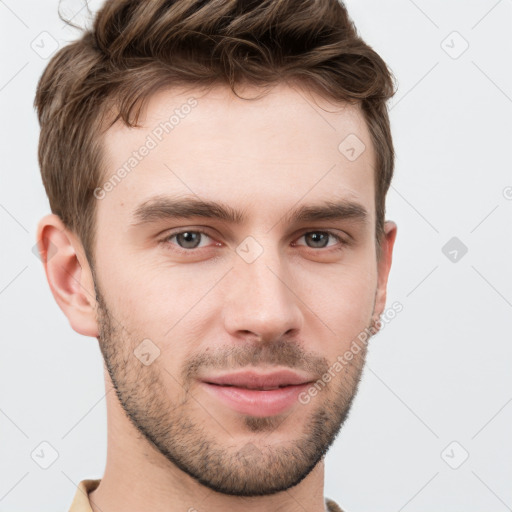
338	238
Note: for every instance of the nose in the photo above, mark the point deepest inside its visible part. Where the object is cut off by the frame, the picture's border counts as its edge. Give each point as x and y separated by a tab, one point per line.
261	300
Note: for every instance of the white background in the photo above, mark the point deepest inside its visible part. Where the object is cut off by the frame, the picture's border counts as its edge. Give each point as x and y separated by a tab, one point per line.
439	372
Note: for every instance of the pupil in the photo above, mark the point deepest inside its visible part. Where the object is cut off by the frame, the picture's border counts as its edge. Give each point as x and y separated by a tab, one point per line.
188	236
316	237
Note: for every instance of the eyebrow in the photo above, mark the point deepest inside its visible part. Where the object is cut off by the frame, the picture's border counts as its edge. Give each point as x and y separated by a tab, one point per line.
166	208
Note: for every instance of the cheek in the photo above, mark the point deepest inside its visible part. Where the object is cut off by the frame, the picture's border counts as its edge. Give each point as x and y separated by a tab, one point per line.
346	305
169	306
157	300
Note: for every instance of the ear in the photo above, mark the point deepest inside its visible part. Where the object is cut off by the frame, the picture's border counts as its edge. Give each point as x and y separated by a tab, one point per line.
68	274
384	266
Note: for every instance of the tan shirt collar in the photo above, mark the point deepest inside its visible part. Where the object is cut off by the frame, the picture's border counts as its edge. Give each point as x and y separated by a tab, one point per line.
81	500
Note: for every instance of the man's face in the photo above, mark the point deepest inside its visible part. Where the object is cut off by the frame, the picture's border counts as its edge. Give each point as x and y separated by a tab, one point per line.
264	293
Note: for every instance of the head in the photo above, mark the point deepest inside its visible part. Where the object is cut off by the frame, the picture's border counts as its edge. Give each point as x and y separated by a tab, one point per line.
217	173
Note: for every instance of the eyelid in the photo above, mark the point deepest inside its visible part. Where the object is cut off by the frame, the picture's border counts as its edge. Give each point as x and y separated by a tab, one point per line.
338	237
179	231
334	234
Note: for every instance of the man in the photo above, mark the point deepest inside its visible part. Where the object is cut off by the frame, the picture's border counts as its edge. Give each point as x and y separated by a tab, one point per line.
217	173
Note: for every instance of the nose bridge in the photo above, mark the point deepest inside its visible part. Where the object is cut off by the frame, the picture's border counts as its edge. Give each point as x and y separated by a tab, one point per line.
261	297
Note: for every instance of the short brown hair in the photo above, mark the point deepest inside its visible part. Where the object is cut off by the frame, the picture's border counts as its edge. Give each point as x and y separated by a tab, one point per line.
136	47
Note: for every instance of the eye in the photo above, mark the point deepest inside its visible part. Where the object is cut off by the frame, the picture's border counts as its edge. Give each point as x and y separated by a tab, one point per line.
187	239
320	239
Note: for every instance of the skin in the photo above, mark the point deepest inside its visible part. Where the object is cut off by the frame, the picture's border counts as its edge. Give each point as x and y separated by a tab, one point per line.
299	305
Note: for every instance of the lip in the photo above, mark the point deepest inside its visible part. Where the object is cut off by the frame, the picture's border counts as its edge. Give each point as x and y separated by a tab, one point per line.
233	390
252	379
256	402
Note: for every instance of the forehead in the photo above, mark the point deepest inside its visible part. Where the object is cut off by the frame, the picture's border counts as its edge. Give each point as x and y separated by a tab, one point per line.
263	155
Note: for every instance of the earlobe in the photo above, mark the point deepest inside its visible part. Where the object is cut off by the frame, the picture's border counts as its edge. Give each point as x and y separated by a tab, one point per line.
384	266
68	274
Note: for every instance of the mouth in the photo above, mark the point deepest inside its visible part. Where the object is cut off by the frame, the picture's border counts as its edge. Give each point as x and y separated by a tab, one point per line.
257	388
257	394
259	380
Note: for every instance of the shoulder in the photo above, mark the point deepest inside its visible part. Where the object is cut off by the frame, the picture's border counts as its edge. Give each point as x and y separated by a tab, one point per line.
332	506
